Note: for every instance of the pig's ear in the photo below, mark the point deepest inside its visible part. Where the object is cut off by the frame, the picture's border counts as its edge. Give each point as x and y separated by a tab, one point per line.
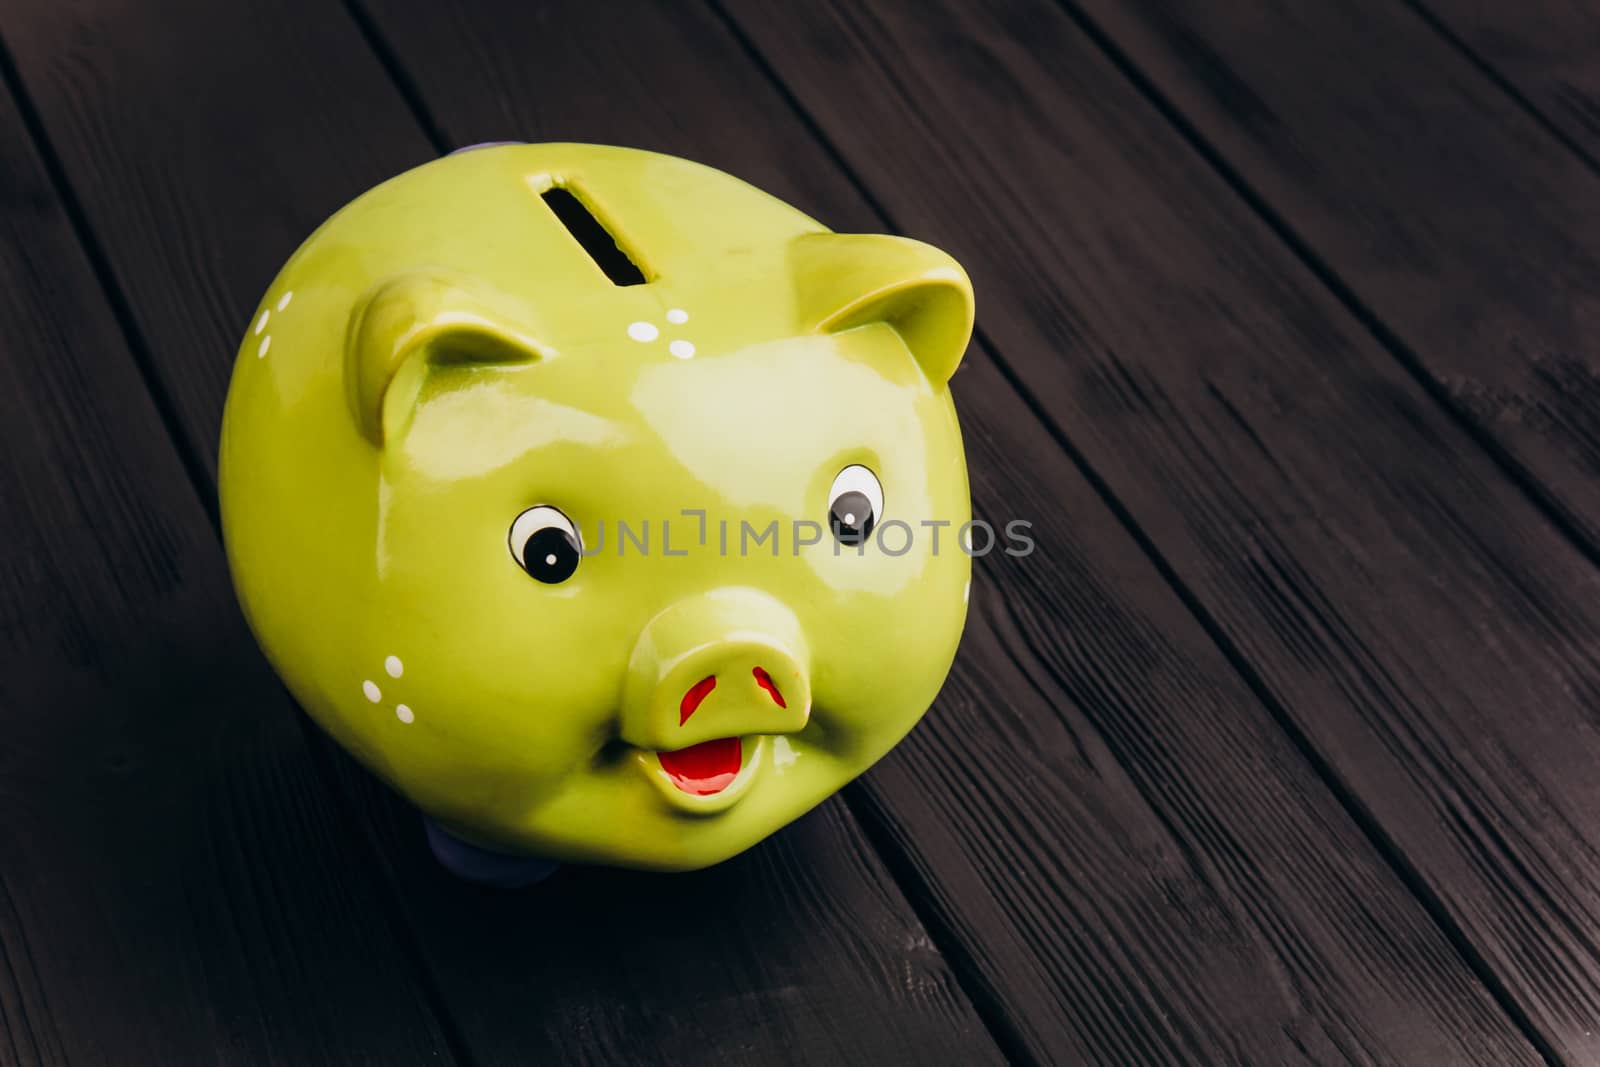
410	323
850	279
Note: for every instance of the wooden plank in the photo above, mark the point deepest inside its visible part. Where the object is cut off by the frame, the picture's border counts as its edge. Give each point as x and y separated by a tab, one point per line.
800	950
1436	202
1128	857
176	882
1546	54
205	142
1397	600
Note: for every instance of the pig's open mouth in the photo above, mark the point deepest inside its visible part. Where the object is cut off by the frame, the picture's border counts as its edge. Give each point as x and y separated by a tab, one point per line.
705	769
707	778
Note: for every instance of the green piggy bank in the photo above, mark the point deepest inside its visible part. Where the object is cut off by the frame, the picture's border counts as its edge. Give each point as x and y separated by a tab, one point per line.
605	506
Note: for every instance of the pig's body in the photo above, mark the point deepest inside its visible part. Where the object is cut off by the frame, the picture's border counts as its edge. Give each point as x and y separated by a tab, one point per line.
442	393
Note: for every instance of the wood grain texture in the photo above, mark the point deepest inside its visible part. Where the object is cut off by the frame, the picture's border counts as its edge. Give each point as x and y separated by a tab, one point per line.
1546	53
198	185
1129	859
174	887
1394	596
1439	203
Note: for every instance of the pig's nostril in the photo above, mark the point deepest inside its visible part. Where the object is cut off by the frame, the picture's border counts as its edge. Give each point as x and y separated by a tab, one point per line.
691	699
764	680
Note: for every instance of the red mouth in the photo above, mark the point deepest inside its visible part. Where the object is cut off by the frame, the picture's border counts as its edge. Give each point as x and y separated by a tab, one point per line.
703	769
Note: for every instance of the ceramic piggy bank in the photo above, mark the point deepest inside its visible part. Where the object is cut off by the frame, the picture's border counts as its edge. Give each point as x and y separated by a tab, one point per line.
600	503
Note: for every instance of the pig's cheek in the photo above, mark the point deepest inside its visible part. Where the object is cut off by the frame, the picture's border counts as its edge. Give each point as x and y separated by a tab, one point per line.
536	730
875	673
497	670
465	759
441	712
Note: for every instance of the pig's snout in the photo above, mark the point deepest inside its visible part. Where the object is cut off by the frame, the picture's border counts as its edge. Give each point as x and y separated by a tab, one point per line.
727	663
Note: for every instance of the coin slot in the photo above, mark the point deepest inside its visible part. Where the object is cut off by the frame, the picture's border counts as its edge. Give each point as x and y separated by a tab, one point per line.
602	245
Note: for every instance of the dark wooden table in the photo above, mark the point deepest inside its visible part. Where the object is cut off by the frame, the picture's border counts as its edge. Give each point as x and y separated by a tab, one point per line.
1283	747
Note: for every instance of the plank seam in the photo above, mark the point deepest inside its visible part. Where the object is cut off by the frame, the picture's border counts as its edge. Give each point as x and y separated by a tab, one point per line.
963	967
1501	82
199	482
404	84
100	265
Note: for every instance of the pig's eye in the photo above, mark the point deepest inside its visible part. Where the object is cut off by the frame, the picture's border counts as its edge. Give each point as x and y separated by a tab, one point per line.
545	544
854	504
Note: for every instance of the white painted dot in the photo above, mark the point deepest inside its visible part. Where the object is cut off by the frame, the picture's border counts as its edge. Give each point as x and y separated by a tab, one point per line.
403	713
850	518
677	315
370	688
681	349
550	560
394	666
643	331
266	343
261	323
284	301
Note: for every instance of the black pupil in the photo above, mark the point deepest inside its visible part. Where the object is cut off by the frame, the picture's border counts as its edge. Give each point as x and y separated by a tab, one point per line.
550	555
851	518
